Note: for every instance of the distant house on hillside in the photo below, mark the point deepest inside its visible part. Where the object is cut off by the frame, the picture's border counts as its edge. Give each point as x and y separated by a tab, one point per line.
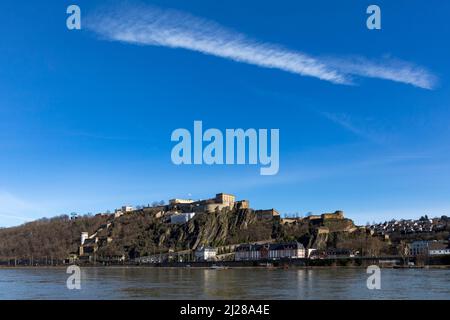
118	213
267	214
180	218
126	209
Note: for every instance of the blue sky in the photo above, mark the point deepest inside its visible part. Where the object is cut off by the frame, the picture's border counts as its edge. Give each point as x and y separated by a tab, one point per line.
86	116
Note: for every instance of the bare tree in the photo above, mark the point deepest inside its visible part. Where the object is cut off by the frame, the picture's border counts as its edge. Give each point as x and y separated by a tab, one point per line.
403	250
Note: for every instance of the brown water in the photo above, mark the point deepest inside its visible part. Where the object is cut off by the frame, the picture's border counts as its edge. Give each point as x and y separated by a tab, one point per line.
155	283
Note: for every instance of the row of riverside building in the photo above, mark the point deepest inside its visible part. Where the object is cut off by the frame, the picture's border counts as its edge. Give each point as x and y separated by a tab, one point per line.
270	251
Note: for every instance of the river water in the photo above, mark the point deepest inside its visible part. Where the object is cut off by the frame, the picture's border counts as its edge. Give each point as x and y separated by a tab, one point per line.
158	283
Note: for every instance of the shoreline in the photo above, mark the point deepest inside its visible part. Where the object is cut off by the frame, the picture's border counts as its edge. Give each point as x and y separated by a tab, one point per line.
436	267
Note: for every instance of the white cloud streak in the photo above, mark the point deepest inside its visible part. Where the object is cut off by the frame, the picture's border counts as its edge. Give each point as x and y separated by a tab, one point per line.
148	25
387	69
13	209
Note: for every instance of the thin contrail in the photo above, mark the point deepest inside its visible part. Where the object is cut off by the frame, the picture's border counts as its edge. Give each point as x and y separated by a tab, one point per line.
148	25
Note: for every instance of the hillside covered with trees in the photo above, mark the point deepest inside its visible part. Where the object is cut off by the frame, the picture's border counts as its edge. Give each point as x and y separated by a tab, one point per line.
142	233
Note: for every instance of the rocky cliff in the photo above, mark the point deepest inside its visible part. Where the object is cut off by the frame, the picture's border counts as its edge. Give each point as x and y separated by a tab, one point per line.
142	234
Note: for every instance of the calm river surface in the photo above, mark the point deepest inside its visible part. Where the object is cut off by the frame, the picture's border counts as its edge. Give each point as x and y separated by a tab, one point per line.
155	283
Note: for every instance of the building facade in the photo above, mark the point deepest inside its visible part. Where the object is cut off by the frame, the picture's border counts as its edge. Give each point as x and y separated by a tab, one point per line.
439	252
274	251
181	218
437	248
127	209
180	201
84	237
224	198
418	248
206	254
267	214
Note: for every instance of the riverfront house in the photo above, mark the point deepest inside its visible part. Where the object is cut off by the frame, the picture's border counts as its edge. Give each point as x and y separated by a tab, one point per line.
432	248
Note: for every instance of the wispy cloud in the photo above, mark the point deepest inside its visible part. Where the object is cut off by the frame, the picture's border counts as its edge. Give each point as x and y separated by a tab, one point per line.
14	217
13	208
348	123
387	69
148	25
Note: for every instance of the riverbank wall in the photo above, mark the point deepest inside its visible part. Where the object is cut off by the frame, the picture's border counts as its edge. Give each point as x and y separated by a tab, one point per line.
386	262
